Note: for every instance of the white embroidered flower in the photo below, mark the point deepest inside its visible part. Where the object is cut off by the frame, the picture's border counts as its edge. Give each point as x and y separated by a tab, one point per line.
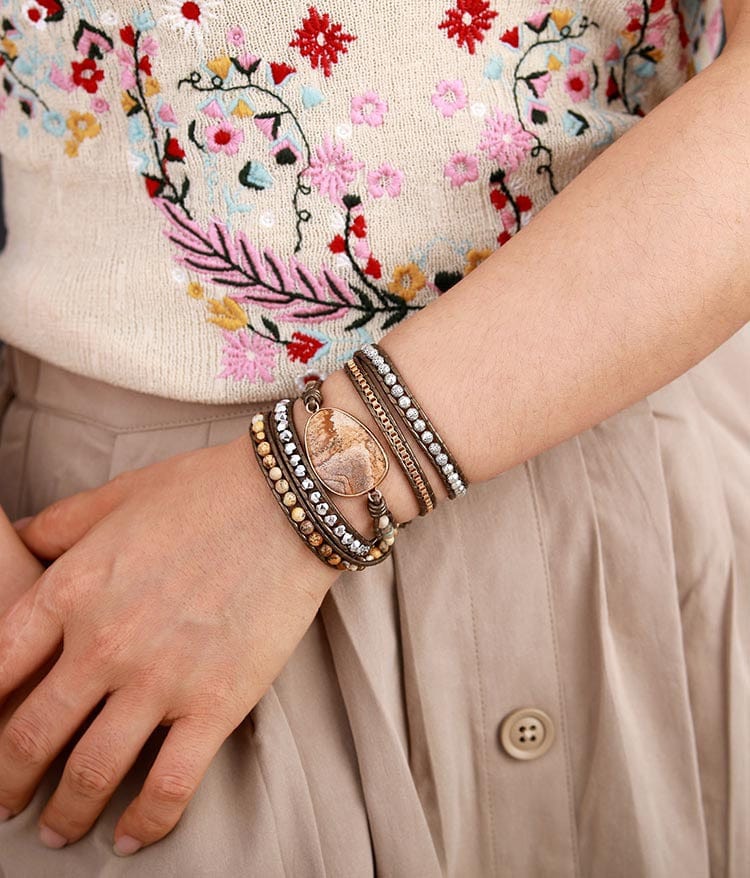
109	17
35	14
189	16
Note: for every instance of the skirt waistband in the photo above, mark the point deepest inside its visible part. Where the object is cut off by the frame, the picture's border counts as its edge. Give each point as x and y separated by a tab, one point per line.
37	382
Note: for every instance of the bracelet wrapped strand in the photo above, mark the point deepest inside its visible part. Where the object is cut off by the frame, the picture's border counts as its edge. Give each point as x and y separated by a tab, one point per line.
366	385
413	415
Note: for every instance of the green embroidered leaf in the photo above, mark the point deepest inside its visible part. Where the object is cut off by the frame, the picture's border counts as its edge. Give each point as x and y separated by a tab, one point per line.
271	327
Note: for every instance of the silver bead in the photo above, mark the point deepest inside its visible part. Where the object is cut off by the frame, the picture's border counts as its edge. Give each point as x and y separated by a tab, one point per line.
427	437
370	351
377	361
356	545
285	435
412	414
390	379
384	368
290	448
419	425
282	425
434	448
330	520
321	508
308	484
404	402
295	459
346	539
448	469
441	459
397	390
340	530
299	471
315	497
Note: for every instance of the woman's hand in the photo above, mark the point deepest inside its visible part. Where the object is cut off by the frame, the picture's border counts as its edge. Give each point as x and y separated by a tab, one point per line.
180	592
20	569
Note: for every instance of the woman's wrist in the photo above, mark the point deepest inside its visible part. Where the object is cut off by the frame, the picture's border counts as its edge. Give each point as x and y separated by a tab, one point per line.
339	392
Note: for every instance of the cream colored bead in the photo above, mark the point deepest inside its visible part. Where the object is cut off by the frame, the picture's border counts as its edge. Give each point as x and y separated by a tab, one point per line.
258	426
298	514
289	499
383	521
282	486
274	474
390	541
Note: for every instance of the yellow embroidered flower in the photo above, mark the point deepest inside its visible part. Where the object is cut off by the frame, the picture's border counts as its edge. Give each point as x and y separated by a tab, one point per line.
151	87
474	258
407	281
220	65
195	290
82	125
226	313
71	148
10	48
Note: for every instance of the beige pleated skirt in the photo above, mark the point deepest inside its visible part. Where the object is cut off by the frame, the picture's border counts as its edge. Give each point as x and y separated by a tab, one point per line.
550	676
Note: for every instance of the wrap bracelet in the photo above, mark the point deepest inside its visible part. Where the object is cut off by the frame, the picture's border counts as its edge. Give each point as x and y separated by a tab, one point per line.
413	415
372	398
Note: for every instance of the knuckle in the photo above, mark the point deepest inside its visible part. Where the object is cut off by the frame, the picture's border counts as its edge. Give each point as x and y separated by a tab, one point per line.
25	742
90	776
171	789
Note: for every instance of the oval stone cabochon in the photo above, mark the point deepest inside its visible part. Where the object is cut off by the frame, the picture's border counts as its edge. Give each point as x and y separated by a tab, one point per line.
346	456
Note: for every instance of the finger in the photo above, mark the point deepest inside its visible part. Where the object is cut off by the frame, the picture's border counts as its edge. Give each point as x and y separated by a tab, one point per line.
174	777
40	728
57	527
30	632
96	767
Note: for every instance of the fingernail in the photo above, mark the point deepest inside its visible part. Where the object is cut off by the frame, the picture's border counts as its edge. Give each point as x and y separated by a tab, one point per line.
22	522
51	839
126	845
4	813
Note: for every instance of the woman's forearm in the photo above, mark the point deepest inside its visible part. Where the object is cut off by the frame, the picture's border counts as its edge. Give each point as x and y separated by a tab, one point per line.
632	274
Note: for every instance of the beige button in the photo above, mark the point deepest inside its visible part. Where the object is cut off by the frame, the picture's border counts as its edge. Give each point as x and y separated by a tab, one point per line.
527	733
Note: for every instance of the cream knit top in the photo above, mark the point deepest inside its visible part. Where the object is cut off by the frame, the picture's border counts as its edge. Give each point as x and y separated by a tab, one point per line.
209	200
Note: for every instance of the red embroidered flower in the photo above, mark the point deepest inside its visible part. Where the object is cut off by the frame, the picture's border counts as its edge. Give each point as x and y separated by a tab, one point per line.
87	75
173	151
321	41
466	21
303	347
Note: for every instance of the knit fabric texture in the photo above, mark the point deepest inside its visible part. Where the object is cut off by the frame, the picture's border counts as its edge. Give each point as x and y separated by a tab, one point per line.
213	200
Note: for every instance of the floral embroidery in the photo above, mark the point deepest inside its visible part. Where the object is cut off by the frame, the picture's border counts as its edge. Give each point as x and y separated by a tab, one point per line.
247	356
462	167
449	97
321	41
466	22
385	180
332	169
368	109
268	305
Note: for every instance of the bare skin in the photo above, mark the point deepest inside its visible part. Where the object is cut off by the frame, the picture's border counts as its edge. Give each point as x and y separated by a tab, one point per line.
635	272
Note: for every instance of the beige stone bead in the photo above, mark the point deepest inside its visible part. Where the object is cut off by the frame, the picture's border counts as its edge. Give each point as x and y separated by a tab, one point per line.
289	499
298	514
260	436
268	461
274	474
258	426
307	527
315	539
282	486
325	550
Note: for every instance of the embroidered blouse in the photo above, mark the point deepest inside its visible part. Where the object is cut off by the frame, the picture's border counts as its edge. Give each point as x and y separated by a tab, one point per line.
210	200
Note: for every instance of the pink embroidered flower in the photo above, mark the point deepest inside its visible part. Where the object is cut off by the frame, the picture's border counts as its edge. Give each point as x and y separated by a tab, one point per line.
369	109
449	96
99	105
321	41
332	169
235	36
225	138
577	85
466	22
462	167
657	30
247	356
386	180
505	140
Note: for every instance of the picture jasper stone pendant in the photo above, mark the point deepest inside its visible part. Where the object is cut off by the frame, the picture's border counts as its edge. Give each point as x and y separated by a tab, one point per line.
346	456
